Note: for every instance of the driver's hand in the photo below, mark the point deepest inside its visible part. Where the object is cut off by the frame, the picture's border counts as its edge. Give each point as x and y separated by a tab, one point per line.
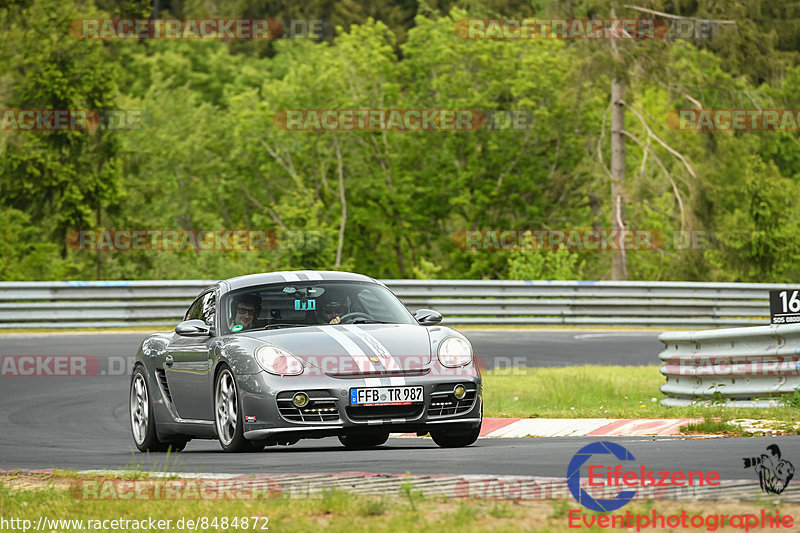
335	320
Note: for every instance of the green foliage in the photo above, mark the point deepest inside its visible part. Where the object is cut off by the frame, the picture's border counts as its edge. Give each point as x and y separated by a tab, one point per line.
793	401
25	253
210	154
710	426
759	241
60	179
407	489
502	510
557	264
373	507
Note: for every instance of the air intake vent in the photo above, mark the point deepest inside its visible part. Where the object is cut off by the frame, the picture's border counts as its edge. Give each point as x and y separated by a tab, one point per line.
322	407
385	412
162	380
444	403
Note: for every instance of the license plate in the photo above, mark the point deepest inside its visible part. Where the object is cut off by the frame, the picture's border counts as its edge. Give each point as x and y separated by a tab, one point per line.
386	396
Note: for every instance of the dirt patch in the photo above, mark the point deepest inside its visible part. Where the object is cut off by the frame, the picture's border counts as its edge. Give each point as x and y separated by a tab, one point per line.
35	481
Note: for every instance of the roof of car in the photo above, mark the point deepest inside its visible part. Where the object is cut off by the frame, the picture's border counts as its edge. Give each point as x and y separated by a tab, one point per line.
295	275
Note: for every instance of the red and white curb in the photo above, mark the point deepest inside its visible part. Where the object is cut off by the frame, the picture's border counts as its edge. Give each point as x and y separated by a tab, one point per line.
512	428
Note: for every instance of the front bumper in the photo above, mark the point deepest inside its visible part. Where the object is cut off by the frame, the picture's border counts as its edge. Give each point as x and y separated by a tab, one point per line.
268	413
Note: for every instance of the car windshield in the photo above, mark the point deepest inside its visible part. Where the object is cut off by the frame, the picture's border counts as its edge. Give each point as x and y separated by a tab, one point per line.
308	303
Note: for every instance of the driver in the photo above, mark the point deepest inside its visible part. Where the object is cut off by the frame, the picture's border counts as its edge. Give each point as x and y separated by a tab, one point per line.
333	309
245	308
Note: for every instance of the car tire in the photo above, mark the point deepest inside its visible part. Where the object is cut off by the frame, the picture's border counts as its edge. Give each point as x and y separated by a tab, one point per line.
452	439
364	441
143	425
227	413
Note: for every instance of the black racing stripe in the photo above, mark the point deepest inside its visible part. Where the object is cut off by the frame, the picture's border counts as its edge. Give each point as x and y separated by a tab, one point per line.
359	342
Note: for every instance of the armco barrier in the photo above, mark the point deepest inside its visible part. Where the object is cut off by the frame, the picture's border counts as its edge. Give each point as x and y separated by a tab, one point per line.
71	304
741	367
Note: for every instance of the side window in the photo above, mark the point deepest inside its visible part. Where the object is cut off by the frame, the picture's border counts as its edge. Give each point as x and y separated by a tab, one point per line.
209	308
196	309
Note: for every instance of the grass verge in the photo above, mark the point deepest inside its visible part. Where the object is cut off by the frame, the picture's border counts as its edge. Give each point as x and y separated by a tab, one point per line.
711	426
595	391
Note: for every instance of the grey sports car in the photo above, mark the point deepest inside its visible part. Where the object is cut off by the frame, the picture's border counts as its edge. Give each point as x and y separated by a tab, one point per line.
274	358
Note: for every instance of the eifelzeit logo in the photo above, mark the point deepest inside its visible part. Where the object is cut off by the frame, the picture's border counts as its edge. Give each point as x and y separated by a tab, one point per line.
774	473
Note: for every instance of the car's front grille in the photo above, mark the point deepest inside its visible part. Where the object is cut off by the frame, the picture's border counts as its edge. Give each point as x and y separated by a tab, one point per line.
385	412
322	407
162	379
444	403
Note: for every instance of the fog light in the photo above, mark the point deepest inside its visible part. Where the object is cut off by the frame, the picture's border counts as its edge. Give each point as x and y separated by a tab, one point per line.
300	399
459	392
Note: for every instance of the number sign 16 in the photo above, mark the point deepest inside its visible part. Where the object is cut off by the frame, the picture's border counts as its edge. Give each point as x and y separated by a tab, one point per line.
790	305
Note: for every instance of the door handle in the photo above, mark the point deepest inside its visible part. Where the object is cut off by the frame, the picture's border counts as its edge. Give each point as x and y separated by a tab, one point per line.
168	360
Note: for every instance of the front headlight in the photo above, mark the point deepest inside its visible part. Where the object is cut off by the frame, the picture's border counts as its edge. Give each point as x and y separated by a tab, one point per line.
455	352
278	361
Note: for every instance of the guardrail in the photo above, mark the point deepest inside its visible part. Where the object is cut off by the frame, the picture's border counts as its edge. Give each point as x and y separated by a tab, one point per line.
75	304
740	367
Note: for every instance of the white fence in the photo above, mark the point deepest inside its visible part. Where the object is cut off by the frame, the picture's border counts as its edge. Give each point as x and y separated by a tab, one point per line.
71	304
742	367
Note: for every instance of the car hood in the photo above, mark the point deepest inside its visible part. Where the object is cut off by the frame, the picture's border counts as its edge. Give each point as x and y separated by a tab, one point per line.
355	348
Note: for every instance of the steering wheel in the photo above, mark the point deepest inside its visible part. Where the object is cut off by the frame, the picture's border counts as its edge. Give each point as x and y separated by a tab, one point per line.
349	318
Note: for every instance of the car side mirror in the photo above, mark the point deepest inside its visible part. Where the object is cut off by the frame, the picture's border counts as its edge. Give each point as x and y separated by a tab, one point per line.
193	328
428	317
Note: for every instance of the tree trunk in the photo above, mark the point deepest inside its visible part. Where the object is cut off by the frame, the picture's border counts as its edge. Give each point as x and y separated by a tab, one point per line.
343	200
619	269
98	258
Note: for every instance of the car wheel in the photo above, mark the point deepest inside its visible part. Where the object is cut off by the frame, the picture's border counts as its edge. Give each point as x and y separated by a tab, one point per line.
364	441
143	425
451	439
226	414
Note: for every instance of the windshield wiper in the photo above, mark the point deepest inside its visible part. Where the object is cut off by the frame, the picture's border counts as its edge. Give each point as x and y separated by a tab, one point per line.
369	321
285	325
